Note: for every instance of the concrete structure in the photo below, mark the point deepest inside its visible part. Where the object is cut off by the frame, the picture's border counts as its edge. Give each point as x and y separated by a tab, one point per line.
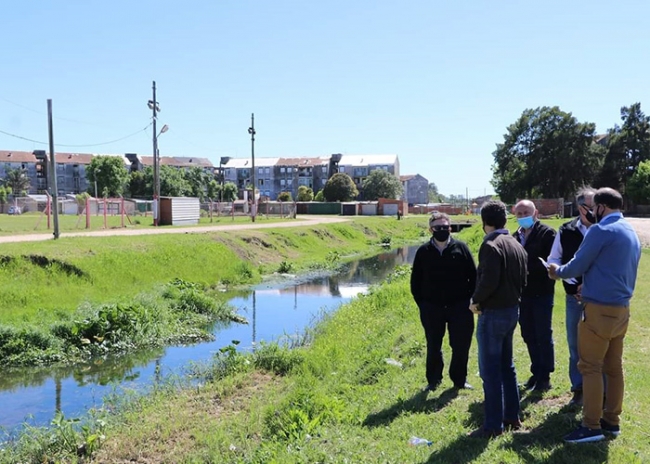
416	189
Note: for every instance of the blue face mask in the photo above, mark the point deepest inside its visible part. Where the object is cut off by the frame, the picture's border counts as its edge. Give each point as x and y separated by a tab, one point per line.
526	222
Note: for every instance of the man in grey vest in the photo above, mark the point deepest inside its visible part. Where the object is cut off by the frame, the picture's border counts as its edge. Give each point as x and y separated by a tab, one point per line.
567	241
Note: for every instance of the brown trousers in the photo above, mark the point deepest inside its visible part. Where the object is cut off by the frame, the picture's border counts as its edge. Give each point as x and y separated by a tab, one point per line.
600	346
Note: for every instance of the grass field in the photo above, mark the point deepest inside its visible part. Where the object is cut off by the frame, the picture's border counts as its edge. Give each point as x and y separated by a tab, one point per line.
345	403
33	223
339	400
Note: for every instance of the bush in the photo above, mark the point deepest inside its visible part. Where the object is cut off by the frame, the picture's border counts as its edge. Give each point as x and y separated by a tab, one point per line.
285	196
285	267
274	358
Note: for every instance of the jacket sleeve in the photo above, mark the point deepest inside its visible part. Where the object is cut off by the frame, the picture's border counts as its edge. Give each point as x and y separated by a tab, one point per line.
416	276
489	274
470	269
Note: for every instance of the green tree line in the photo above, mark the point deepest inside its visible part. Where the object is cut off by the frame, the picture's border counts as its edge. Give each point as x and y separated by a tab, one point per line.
548	153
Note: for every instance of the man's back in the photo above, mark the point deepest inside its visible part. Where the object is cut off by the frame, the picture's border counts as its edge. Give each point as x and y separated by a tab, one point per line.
502	271
612	276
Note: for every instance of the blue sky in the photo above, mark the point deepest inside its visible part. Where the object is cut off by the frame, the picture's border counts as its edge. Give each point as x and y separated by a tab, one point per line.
435	82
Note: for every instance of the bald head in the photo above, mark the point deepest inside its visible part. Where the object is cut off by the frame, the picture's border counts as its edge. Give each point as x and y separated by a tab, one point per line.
525	208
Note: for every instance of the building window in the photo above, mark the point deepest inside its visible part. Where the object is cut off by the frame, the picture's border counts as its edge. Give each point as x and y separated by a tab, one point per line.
260	171
260	182
324	169
342	169
289	181
324	181
282	170
267	170
281	181
289	170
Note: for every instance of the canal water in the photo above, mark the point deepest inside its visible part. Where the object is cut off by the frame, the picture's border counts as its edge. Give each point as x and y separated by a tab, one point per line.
274	312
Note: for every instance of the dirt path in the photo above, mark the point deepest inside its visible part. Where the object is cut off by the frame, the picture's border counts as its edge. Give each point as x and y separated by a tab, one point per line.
307	221
642	227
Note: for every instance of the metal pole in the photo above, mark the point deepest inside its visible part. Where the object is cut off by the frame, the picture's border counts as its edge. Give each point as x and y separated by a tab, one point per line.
55	189
156	167
252	132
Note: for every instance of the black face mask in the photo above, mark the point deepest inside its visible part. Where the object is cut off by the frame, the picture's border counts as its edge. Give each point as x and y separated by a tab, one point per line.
589	216
599	216
441	235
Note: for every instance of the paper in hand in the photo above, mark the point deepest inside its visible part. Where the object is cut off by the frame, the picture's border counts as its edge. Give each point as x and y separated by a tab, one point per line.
546	265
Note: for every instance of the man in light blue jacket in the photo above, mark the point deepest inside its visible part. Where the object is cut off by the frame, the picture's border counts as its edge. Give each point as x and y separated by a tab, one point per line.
608	259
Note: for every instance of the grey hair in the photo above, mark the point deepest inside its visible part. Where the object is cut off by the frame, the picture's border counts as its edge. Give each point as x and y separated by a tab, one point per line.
585	191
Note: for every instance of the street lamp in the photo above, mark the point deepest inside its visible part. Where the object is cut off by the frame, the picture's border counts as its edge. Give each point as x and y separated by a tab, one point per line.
97	171
251	130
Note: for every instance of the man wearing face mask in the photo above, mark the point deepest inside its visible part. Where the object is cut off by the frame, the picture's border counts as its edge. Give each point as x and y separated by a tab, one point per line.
567	241
536	307
442	282
608	260
501	277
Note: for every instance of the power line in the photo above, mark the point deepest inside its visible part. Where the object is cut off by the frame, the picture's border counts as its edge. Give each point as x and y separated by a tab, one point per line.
77	146
41	113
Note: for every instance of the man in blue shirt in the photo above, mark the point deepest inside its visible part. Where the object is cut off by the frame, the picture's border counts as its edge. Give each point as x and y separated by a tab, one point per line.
607	259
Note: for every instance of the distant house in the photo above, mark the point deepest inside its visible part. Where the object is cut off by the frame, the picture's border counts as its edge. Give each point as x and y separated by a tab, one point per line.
416	189
358	167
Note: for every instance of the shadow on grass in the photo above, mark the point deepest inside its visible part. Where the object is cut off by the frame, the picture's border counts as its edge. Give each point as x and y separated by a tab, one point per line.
417	403
539	445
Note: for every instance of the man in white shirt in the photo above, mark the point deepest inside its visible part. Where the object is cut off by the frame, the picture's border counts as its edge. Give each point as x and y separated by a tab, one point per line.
567	241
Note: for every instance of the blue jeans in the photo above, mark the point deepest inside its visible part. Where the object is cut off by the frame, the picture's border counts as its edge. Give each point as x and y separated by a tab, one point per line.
494	336
535	319
573	315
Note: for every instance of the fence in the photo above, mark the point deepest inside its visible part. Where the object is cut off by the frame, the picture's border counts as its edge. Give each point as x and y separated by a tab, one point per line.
242	208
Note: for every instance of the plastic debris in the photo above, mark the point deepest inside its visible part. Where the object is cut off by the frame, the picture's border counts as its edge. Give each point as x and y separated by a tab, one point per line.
393	362
415	441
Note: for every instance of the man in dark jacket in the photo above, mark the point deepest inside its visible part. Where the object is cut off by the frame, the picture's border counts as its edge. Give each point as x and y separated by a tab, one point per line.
442	282
501	276
536	308
567	241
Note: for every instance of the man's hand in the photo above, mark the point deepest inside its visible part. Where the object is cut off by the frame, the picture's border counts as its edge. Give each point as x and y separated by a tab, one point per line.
473	307
579	294
552	267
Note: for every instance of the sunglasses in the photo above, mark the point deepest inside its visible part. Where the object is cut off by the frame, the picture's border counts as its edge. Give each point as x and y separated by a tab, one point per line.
439	228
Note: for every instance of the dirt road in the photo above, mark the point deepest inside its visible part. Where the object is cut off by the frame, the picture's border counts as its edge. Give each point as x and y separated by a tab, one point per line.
307	221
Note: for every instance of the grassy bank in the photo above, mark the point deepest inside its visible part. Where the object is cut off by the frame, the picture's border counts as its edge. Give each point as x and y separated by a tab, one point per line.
339	400
53	290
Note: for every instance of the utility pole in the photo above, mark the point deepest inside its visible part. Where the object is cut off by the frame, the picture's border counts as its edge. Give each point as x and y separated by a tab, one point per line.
467	198
55	188
153	104
251	130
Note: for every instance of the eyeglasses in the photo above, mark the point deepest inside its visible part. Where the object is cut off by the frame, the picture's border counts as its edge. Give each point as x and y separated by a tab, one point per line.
439	228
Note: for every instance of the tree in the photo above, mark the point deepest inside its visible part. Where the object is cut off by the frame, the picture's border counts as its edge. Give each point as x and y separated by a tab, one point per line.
434	195
285	196
213	189
110	173
381	184
140	184
305	193
17	181
172	182
3	195
626	146
547	153
638	187
197	182
340	187
229	192
319	196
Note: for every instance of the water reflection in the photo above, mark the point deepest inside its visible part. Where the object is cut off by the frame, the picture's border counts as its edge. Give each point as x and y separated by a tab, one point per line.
274	311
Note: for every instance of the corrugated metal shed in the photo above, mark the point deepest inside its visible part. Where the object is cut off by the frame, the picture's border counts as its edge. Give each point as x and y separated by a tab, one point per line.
179	211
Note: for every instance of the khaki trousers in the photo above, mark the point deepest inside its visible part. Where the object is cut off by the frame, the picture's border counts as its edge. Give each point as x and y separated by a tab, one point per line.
600	346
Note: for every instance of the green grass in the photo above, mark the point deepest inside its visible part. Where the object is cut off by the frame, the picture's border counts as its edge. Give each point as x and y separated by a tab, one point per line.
36	223
342	402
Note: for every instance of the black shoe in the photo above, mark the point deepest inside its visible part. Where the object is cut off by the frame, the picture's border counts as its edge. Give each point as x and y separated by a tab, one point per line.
432	386
464	386
530	384
584	435
609	428
542	386
511	425
576	400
